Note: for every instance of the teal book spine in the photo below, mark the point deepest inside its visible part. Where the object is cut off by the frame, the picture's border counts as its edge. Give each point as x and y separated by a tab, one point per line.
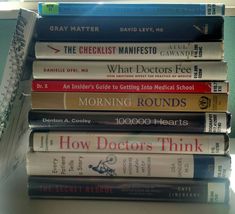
129	9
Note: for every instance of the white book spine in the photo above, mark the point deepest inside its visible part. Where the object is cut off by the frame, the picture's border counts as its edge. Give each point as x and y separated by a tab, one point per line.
219	87
102	164
118	164
216	123
216	192
130	51
131	70
214	9
128	143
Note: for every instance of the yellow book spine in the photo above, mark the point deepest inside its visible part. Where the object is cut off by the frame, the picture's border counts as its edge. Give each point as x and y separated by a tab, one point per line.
130	101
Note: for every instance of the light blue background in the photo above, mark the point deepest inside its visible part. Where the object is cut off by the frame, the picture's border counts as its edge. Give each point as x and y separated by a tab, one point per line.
229	48
7	29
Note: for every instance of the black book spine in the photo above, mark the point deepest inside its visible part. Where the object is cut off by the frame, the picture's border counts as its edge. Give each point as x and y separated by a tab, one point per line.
174	190
130	121
130	29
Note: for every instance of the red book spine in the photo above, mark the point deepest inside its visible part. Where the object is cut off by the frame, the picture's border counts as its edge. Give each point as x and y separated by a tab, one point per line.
130	86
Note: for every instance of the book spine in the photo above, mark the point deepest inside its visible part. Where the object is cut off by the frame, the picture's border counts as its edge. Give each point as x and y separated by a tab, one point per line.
130	101
172	190
131	121
129	86
127	165
126	9
130	29
130	51
132	70
129	142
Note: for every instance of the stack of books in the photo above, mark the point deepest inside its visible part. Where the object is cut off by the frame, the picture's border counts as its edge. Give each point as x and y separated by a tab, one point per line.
129	101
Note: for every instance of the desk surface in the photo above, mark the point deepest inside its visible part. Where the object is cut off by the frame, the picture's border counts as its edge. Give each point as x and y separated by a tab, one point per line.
14	200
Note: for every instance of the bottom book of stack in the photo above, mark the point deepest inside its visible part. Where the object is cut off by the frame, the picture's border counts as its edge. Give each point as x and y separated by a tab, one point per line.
147	189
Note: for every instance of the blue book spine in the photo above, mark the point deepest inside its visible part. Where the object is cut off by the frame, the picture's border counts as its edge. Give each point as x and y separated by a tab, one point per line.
127	9
130	29
208	166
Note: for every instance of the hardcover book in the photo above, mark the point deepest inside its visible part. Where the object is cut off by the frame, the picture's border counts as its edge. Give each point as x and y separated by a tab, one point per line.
130	51
128	9
130	70
130	86
130	101
130	29
128	165
186	122
61	141
147	189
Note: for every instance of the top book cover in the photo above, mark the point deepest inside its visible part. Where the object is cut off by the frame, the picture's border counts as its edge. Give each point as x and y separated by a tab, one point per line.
129	9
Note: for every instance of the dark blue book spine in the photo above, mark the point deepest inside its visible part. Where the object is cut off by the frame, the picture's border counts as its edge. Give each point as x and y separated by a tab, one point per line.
147	189
130	121
130	29
128	9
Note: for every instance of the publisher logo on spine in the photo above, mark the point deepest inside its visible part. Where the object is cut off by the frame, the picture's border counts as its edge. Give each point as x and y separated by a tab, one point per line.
204	102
